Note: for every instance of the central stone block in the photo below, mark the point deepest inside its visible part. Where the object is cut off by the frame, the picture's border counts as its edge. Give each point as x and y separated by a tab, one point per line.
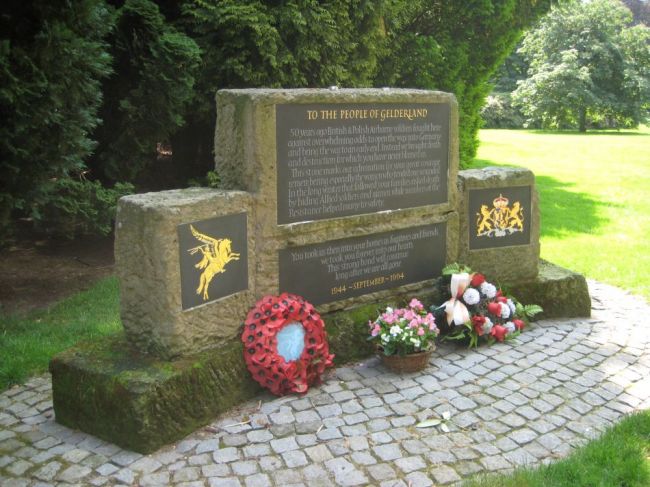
353	188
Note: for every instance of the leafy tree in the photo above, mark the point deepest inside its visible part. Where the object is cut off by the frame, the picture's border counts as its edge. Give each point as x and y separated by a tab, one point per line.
52	58
513	69
456	47
640	10
146	97
586	66
498	112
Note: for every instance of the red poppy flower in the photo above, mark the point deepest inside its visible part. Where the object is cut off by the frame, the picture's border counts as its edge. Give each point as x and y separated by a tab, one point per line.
494	309
499	332
477	279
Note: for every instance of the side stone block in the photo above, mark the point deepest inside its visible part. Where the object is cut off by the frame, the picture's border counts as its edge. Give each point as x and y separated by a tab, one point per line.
148	263
499	222
561	292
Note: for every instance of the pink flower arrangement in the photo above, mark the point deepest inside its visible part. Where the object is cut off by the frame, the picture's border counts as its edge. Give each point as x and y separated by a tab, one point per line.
404	331
479	310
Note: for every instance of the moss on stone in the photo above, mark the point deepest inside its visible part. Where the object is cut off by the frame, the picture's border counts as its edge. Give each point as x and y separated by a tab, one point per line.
348	332
141	403
560	292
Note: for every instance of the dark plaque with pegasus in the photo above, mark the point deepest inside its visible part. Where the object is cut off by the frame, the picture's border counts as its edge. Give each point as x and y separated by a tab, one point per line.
213	259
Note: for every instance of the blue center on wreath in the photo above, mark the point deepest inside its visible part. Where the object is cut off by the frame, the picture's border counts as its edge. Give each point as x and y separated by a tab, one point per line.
291	341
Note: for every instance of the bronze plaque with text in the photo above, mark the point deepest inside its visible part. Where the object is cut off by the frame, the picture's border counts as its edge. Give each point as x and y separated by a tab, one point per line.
337	160
349	267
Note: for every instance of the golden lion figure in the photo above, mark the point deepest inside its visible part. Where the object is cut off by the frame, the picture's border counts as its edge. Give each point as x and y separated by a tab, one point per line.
483	220
516	216
216	254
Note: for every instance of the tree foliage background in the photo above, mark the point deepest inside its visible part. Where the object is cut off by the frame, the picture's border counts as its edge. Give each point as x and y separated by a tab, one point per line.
97	95
587	65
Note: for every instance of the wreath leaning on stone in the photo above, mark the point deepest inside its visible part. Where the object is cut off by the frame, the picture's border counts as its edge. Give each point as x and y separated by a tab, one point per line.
285	344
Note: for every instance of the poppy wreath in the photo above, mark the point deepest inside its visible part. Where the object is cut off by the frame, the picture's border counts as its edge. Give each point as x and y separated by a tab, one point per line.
264	321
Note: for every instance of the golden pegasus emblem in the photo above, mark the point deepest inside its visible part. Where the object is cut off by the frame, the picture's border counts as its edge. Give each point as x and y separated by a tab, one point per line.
217	252
500	220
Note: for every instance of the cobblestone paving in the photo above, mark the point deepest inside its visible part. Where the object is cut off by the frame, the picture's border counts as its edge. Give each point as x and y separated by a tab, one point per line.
529	401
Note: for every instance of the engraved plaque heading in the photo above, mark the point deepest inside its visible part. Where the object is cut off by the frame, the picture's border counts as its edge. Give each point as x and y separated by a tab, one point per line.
349	267
336	160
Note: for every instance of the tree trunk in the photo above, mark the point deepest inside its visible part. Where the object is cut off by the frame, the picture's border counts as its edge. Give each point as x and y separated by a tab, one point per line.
582	123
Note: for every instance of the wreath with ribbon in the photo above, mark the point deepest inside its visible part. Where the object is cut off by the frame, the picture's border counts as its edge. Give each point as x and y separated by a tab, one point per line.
285	344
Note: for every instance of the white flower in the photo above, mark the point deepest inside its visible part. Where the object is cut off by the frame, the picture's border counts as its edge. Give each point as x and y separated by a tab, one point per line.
510	326
395	330
471	296
488	290
505	312
415	342
385	338
512	307
389	310
487	326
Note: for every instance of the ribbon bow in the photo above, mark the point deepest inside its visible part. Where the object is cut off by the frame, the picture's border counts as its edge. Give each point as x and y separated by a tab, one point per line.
456	310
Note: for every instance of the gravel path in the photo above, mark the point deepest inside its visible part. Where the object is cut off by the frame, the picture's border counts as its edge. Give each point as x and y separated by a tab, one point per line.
528	401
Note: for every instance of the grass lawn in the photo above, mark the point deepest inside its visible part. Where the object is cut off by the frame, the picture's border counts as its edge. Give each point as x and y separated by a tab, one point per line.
28	343
594	197
618	458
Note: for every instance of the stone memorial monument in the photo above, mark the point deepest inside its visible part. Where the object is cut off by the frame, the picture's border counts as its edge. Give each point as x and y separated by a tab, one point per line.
349	198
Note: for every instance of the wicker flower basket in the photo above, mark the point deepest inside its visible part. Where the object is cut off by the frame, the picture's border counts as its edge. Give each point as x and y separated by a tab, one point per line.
413	362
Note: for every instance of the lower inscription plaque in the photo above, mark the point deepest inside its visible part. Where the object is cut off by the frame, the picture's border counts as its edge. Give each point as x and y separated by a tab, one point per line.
345	268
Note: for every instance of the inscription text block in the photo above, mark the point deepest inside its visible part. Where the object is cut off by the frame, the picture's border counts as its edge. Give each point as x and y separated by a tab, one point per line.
337	160
345	268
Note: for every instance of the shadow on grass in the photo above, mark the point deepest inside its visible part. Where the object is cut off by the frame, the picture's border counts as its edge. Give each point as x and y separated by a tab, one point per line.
563	212
616	133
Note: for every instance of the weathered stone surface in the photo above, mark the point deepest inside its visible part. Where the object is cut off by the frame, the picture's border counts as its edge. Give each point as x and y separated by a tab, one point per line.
147	264
141	403
561	292
503	264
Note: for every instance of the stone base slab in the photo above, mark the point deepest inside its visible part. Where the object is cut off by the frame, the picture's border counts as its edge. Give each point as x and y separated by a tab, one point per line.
142	403
561	292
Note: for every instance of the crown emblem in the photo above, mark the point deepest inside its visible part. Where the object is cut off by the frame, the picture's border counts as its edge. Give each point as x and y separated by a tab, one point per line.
501	220
500	202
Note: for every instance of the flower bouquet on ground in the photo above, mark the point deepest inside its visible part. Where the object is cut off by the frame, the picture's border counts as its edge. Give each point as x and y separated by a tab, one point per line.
478	310
405	337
